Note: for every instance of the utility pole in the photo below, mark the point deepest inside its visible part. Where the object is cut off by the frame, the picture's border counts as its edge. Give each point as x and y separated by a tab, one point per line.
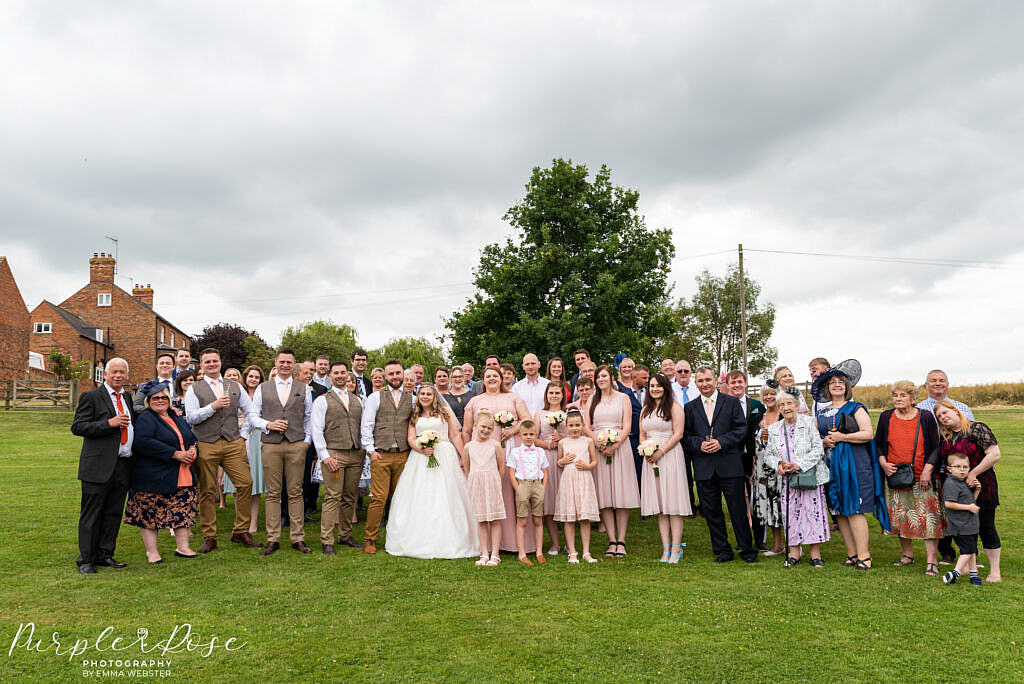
743	310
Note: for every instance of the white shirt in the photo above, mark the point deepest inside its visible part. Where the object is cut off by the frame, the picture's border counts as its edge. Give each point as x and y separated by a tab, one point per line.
257	404
324	380
195	414
532	393
318	420
370	417
529	462
678	392
123	450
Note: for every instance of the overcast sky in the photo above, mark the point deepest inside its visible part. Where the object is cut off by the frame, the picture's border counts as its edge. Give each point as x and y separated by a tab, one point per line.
267	164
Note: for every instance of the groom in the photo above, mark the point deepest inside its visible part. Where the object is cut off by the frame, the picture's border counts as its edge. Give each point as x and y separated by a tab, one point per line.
384	432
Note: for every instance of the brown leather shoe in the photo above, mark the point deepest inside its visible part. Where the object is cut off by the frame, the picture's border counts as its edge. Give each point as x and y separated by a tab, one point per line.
301	546
370	546
209	544
245	539
270	548
328	549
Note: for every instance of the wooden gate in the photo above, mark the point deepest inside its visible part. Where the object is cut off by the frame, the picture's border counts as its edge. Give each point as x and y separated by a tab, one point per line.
27	394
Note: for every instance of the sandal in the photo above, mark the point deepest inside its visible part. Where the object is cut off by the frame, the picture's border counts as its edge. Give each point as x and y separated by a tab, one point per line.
791	561
903	561
862	563
610	553
590	559
664	554
673	558
493	561
851	561
817	563
622	553
931	569
483	560
573	559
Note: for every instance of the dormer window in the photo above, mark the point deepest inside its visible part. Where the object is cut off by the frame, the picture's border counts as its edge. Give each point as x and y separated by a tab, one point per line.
103	299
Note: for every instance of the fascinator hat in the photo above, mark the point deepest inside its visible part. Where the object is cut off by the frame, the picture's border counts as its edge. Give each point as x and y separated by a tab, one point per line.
850	369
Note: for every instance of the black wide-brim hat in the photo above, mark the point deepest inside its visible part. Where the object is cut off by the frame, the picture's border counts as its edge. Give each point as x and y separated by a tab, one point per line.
850	368
155	387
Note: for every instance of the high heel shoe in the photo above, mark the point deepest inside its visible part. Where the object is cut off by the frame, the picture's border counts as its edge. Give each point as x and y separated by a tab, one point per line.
664	554
673	558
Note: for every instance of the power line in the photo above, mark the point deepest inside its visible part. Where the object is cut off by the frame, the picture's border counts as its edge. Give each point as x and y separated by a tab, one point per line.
954	263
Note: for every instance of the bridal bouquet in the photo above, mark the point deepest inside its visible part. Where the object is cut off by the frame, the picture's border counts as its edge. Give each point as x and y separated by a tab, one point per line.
607	437
428	440
505	420
555	419
647	449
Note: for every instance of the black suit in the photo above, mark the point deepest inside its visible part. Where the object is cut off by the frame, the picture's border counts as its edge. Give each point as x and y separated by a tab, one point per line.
721	473
634	428
105	476
367	385
310	489
754	411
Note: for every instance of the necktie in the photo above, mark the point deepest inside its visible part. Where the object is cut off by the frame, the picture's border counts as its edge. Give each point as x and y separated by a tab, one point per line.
282	392
685	398
344	398
708	411
120	410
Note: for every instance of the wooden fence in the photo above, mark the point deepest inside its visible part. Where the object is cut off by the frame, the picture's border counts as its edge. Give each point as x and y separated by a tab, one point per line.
35	395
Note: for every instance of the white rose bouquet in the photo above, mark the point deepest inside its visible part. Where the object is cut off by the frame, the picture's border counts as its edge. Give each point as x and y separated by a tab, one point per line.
607	437
505	420
555	418
647	449
428	440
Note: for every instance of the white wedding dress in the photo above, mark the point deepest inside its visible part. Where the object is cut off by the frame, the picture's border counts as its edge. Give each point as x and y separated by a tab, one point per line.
430	514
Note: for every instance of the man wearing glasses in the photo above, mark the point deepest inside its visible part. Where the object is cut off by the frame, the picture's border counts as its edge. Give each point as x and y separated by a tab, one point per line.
681	383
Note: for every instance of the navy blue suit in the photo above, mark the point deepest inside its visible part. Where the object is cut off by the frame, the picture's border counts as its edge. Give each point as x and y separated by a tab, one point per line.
721	473
155	469
635	406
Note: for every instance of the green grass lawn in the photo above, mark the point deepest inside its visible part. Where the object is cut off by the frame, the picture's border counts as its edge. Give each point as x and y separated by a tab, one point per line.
355	618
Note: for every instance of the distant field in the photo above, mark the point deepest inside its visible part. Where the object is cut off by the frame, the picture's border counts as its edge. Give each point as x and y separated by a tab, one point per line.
358	618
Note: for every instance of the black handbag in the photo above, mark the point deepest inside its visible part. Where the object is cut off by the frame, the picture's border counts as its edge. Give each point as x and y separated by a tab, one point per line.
903	478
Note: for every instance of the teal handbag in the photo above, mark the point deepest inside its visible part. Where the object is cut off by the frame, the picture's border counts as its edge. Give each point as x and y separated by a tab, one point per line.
805	479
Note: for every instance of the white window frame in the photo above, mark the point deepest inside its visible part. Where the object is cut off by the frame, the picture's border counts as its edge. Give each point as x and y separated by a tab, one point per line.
98	375
172	338
42	328
162	329
103	299
99	334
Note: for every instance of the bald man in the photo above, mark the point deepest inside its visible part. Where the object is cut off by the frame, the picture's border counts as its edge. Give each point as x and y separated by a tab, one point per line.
531	388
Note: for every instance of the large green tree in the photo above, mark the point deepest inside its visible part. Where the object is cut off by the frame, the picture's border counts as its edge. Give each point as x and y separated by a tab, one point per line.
708	327
408	350
310	340
581	270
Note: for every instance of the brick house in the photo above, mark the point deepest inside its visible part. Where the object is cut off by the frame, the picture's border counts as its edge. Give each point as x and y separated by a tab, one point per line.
14	327
132	329
60	329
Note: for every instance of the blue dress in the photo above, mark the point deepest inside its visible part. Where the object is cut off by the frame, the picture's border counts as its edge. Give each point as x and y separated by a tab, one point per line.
855	484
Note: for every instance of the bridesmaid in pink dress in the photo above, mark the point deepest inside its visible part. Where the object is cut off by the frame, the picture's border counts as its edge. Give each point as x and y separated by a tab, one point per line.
666	494
554	402
617	490
496	398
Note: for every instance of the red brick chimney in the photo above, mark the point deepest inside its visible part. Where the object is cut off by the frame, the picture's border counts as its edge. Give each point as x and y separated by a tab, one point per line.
144	293
101	268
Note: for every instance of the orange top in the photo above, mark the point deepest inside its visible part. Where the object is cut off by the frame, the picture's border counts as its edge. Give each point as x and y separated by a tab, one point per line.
901	441
184	473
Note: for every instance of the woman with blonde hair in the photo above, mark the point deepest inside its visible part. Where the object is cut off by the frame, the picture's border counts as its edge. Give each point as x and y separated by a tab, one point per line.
960	435
431	515
907	440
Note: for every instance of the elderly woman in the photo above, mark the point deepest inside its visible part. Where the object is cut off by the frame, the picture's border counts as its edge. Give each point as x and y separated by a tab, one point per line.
856	485
961	435
163	490
767	483
794	448
907	438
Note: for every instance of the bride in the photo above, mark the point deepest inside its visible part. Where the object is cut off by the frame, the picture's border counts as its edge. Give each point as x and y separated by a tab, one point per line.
430	511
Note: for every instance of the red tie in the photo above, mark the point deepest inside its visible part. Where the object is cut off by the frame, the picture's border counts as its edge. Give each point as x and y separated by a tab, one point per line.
120	409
